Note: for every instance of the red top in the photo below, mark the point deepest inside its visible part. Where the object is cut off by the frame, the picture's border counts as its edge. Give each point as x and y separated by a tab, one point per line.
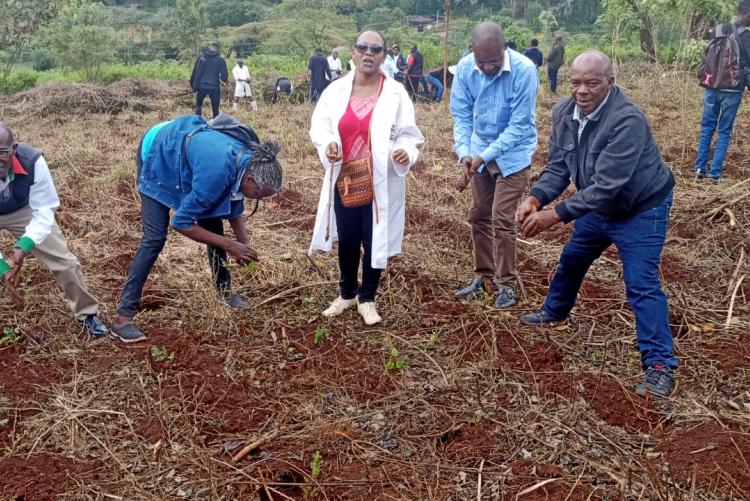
354	126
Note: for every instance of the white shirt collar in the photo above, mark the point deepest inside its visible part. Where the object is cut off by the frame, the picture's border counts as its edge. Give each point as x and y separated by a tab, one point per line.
506	64
594	115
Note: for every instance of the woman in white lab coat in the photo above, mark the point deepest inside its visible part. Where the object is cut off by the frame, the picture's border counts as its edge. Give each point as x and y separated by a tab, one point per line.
364	100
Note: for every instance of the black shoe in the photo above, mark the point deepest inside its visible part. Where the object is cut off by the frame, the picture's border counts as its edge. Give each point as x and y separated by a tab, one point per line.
699	174
540	317
234	301
659	382
475	287
505	298
94	326
128	333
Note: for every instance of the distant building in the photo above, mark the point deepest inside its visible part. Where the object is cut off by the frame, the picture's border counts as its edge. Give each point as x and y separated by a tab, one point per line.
421	23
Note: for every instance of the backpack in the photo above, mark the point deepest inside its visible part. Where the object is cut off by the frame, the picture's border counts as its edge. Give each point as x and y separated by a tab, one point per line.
720	67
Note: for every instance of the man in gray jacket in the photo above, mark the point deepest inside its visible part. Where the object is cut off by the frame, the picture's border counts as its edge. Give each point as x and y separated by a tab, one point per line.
603	142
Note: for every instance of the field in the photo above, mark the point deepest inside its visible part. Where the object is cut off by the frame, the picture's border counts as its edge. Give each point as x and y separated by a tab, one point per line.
444	400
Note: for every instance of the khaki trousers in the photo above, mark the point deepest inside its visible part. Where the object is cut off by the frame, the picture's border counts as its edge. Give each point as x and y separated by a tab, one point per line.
54	254
493	226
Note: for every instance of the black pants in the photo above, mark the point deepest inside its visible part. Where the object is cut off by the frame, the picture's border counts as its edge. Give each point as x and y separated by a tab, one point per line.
355	231
213	94
412	86
217	257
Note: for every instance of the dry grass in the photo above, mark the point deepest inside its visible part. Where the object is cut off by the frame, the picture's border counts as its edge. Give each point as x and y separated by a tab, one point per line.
484	408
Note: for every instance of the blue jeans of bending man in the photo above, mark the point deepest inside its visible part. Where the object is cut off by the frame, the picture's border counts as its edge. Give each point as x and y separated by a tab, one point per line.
155	218
719	111
639	240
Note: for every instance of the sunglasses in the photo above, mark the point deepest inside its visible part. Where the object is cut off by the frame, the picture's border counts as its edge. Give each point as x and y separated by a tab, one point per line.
6	152
375	48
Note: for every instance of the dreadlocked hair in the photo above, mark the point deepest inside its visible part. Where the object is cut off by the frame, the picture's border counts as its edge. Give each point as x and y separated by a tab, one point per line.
264	167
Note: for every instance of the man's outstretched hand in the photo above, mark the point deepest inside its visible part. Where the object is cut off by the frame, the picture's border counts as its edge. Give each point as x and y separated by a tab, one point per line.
539	221
12	277
527	208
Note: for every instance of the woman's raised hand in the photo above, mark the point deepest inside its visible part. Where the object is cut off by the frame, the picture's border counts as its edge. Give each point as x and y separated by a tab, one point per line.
400	157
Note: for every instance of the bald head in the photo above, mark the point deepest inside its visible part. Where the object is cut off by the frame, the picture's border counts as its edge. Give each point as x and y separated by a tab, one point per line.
591	78
593	61
488	42
487	31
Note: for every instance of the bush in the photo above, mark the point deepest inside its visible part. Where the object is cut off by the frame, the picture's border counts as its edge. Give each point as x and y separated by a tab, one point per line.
18	81
42	60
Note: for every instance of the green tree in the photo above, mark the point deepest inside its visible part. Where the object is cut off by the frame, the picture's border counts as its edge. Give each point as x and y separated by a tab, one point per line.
19	23
189	22
82	39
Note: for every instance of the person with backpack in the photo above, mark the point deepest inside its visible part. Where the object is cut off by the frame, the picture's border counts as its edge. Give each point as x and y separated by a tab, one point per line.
723	74
202	171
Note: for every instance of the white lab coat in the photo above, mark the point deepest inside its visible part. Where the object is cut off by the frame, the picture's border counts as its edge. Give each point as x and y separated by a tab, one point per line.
393	127
242	78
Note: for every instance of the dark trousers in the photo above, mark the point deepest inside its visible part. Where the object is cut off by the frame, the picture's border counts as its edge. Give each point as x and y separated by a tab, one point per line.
639	240
213	94
552	74
155	218
355	232
412	85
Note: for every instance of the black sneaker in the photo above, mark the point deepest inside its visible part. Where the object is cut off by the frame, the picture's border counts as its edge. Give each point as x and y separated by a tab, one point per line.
128	333
94	326
235	301
699	174
659	382
475	287
505	298
540	317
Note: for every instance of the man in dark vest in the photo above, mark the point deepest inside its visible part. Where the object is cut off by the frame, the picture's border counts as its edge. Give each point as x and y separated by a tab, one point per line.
209	71
28	201
415	71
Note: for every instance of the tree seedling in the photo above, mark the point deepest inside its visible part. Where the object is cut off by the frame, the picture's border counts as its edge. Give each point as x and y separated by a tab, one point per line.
321	333
316	465
161	354
10	336
395	360
250	268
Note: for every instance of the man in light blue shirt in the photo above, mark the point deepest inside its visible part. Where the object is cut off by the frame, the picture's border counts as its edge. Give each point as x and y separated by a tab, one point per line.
493	100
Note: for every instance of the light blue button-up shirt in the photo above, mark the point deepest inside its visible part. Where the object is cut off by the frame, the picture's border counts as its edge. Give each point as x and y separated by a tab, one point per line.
494	117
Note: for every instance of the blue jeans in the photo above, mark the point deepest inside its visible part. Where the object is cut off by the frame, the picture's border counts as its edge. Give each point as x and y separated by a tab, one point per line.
438	94
639	240
552	74
719	110
155	218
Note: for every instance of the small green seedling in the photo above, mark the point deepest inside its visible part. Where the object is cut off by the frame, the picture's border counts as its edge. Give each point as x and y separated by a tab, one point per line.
395	361
250	268
161	354
307	300
316	465
321	333
10	336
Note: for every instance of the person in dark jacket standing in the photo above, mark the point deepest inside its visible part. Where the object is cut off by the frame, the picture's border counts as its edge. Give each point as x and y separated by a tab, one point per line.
209	71
201	171
603	141
555	60
320	74
534	53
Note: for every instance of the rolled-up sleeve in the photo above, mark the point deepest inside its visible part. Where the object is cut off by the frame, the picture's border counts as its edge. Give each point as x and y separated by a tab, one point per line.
522	123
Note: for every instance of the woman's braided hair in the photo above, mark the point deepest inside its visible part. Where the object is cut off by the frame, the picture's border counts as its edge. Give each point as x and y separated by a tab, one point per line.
264	167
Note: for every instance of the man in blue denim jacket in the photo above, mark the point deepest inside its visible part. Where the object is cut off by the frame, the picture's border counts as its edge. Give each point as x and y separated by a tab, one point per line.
603	142
493	101
201	171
